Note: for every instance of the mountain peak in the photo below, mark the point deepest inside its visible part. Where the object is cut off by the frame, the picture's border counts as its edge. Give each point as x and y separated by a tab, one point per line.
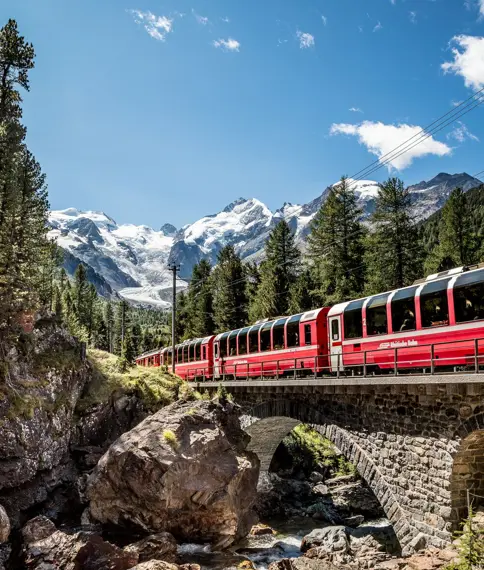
235	203
168	229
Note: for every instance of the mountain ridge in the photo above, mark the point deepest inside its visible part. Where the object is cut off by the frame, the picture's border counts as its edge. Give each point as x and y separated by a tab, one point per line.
132	261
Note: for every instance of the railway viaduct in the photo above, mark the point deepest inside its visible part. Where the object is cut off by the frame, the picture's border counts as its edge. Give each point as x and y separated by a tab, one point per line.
417	441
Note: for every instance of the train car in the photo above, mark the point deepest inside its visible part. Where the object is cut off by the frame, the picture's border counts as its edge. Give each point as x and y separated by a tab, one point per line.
193	358
152	358
288	345
435	323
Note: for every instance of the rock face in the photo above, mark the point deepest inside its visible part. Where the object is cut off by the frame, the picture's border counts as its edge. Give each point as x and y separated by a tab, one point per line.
4	525
184	470
37	416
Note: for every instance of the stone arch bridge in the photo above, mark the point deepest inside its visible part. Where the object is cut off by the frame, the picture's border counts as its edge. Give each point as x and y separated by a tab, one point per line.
417	441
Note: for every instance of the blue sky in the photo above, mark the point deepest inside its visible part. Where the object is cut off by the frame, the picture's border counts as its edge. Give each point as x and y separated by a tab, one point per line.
166	110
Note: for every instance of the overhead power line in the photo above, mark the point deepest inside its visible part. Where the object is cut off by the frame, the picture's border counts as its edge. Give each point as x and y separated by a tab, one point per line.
437	125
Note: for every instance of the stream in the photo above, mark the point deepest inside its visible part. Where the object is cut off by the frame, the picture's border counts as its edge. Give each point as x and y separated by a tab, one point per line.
260	550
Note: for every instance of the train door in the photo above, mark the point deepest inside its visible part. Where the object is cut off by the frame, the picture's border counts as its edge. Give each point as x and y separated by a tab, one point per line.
216	359
335	343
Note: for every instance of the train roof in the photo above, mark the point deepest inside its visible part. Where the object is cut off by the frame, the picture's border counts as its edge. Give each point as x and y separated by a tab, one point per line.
305	317
340	307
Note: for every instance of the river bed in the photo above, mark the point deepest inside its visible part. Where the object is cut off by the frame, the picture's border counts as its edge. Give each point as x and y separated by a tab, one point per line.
260	550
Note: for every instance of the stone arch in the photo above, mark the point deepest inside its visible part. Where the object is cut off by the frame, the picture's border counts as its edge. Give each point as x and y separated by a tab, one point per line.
467	478
272	412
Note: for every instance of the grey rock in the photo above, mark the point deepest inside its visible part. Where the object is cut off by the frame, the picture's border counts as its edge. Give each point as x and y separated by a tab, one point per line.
185	473
330	539
37	529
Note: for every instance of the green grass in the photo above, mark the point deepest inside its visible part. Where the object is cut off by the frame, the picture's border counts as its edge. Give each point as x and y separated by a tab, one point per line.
170	439
155	386
304	441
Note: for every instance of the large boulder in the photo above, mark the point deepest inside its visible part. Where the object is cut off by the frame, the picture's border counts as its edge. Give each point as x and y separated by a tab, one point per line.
4	525
185	470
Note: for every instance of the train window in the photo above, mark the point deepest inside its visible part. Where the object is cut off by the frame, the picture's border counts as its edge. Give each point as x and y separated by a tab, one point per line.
307	335
179	357
352	319
185	353
223	345
265	337
293	331
254	339
335	329
469	297
434	308
191	351
168	357
403	310
233	343
198	346
215	350
278	334
243	340
376	315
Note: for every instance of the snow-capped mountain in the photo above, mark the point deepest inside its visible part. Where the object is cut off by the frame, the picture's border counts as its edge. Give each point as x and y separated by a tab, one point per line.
132	260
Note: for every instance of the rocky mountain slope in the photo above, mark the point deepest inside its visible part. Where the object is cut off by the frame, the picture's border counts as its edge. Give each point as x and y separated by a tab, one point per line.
132	260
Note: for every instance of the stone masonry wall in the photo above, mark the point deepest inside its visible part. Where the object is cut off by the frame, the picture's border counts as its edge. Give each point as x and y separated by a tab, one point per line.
419	447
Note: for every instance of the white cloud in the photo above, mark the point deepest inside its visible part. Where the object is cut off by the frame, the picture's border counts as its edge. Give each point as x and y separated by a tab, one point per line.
381	139
481	8
156	26
325	20
355	110
360	29
202	20
412	16
392	2
456	103
226	20
460	133
227	45
305	40
377	27
468	52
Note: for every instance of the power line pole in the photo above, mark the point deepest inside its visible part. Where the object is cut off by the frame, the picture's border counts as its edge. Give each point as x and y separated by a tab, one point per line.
174	269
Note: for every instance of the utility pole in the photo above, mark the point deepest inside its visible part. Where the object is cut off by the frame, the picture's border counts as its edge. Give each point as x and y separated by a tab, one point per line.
174	269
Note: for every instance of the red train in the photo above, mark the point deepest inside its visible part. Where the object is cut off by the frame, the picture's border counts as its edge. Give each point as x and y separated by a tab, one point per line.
437	323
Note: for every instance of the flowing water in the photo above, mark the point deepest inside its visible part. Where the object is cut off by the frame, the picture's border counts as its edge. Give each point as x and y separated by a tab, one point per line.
260	550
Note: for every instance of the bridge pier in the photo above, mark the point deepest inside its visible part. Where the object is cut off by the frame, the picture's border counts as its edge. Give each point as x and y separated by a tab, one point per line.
418	445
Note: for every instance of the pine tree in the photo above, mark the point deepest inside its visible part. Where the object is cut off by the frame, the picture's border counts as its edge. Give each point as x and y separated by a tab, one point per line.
229	298
279	272
127	356
302	296
456	245
252	282
81	295
121	325
136	338
393	253
109	321
335	245
23	194
181	331
200	301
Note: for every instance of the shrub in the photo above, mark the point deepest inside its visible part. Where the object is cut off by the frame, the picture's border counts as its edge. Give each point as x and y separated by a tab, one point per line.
470	546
